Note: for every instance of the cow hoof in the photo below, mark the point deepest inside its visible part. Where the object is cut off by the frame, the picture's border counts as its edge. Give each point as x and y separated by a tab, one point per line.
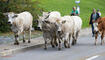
73	43
95	44
56	44
68	46
65	44
16	43
24	41
101	43
53	46
45	48
29	41
59	49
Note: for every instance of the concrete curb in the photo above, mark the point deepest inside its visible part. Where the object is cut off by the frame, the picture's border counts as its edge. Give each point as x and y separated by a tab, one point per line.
12	51
37	42
23	46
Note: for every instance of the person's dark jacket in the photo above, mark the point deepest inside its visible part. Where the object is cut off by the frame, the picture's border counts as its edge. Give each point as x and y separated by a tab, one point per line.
91	18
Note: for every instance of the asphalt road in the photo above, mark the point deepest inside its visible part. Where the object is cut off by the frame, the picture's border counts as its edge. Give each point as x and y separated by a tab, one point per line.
83	50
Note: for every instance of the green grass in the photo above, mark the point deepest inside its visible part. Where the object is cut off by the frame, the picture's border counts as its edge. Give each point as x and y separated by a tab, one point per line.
35	34
65	7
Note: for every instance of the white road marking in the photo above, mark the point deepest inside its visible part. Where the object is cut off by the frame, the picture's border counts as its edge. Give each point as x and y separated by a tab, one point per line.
93	57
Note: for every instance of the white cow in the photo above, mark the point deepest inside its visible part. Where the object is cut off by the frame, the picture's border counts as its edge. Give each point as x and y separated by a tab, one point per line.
68	26
52	14
77	27
65	29
20	23
48	16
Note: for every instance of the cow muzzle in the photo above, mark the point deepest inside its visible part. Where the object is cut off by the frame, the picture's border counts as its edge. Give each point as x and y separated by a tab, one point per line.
9	23
38	28
59	32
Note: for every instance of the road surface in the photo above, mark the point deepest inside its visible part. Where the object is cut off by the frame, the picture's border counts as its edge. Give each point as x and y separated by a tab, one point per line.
83	50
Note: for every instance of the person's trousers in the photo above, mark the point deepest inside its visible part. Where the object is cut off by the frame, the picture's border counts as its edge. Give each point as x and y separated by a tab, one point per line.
92	29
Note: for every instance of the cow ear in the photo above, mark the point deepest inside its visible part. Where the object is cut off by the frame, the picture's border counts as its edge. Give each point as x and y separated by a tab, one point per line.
63	22
44	13
49	12
15	16
43	22
36	21
38	15
5	14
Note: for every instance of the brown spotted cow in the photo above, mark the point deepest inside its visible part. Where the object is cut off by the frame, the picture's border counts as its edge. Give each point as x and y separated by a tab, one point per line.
99	28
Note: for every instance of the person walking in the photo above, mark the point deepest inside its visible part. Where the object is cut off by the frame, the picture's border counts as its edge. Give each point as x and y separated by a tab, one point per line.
94	16
74	12
98	11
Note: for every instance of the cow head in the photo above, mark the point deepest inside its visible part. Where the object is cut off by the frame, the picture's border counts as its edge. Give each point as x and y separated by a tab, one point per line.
95	27
59	24
45	14
96	24
40	22
11	17
44	17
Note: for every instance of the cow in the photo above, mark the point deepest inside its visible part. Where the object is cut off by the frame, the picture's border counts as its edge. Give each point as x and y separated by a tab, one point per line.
99	28
51	17
48	16
65	29
49	33
68	26
51	14
77	27
19	24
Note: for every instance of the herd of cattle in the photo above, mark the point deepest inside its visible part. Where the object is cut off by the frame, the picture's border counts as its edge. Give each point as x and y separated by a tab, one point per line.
55	27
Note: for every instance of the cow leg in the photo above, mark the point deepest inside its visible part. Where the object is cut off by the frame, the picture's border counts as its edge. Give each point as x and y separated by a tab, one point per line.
73	41
59	47
16	40
29	35
45	43
55	41
96	35
102	36
69	41
23	36
65	43
77	34
52	43
66	40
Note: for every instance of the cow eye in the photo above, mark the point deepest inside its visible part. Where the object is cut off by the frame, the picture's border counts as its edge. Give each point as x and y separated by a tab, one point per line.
15	16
